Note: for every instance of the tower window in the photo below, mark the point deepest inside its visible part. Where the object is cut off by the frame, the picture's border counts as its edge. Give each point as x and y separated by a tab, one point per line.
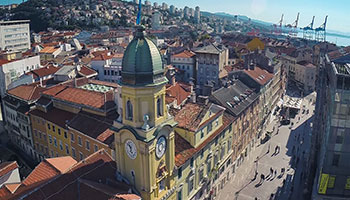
159	107
129	111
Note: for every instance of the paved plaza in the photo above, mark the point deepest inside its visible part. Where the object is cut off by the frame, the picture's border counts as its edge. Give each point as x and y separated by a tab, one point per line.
281	161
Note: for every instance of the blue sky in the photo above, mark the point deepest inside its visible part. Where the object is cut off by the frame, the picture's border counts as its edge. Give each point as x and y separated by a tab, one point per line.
338	11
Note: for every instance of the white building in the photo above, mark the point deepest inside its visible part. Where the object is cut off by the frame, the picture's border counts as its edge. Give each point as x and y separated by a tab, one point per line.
14	35
185	63
108	67
156	17
12	69
305	76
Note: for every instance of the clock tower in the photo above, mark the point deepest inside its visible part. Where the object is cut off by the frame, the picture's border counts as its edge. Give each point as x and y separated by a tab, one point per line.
144	133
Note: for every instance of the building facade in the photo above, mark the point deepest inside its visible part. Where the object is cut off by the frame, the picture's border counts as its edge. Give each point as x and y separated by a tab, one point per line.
331	130
17	103
15	35
210	62
12	66
144	134
185	62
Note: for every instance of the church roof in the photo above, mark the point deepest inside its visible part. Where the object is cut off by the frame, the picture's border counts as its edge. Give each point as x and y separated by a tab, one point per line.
142	63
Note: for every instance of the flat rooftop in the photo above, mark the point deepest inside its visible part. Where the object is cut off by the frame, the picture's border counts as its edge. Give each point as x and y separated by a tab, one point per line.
96	88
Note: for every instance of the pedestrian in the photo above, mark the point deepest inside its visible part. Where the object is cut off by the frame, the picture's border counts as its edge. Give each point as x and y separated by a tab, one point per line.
271	171
268	149
275	172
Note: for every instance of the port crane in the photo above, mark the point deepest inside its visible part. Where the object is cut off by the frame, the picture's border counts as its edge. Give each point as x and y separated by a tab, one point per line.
277	28
293	28
308	31
320	32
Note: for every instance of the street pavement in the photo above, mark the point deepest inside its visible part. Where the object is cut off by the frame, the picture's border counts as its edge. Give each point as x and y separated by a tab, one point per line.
285	184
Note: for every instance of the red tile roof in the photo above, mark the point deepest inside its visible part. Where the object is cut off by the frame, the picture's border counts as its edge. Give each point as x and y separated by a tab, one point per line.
80	96
4	61
176	92
91	178
184	150
87	71
191	115
4	191
54	115
7	167
44	71
27	92
259	75
185	54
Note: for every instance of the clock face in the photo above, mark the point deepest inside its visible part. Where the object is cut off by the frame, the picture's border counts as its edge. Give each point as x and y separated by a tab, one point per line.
160	147
130	149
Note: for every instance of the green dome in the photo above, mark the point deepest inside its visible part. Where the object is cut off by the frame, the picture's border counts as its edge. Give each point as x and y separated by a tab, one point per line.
142	62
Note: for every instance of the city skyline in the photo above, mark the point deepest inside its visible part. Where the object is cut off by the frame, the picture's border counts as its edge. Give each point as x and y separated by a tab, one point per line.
259	9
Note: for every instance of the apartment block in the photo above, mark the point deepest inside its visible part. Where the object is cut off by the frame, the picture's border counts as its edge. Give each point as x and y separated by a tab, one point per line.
15	35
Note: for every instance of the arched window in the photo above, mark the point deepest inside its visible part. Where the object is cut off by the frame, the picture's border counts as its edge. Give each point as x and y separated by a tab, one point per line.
129	111
159	107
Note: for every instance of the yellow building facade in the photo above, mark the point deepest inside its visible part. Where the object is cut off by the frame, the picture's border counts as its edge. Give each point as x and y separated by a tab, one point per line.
144	136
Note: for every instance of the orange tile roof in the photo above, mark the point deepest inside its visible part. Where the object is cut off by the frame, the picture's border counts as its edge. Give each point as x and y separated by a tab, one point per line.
42	173
259	75
7	167
62	164
184	150
27	92
49	49
12	187
176	92
87	177
185	54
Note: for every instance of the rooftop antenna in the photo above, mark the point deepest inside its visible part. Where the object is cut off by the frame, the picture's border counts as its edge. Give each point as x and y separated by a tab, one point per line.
138	20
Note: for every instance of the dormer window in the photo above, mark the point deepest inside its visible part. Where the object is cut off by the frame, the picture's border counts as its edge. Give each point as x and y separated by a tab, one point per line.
159	107
129	111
